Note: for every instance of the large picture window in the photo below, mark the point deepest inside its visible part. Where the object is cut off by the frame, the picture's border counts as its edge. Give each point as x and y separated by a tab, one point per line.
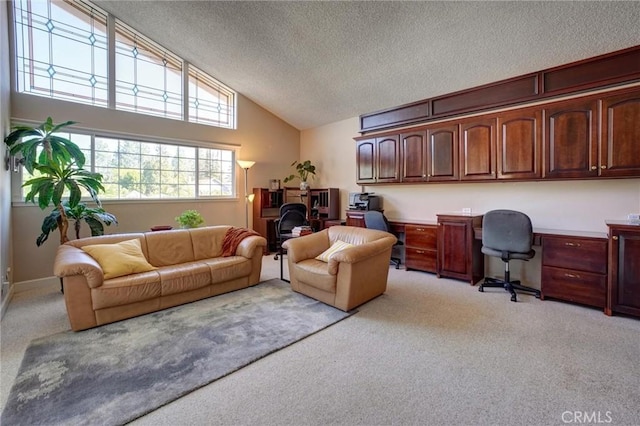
62	51
144	170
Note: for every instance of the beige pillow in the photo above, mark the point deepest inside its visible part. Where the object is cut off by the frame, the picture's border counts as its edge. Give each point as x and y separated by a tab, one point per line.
119	259
335	247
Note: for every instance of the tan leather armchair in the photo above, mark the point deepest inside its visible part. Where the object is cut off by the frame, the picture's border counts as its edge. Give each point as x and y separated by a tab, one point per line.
352	276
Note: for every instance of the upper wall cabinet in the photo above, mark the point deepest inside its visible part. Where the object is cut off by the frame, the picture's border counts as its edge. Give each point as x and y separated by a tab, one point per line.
378	160
478	149
519	144
594	136
571	142
620	139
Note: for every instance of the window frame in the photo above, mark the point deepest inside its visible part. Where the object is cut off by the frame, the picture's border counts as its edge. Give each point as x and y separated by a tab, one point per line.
112	75
17	189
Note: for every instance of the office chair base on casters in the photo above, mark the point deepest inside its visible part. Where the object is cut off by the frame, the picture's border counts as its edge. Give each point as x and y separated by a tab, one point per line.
396	262
510	286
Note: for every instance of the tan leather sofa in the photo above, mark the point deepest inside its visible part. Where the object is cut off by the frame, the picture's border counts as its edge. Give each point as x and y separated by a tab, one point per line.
189	265
352	276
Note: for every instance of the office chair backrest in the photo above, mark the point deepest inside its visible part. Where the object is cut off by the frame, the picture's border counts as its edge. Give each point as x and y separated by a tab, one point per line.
374	219
291	215
507	230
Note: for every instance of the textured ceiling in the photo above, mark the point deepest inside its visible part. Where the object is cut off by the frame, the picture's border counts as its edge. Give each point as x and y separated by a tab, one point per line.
312	63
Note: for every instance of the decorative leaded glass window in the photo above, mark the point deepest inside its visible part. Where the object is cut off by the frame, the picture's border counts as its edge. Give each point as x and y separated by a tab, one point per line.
148	77
61	50
210	102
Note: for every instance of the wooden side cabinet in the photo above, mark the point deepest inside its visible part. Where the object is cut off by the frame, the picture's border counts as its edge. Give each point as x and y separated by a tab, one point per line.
624	269
459	253
356	218
420	245
574	269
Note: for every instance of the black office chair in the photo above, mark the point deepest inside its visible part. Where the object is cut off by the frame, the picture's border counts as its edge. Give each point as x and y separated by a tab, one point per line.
291	215
374	219
507	234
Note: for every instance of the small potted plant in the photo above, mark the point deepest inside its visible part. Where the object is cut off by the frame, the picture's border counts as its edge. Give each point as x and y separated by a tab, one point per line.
190	219
303	171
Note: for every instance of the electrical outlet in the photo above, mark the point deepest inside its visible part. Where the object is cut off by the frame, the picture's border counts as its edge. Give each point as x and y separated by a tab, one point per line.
466	210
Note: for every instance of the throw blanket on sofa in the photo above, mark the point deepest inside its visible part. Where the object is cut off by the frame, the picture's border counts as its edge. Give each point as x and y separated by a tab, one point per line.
233	237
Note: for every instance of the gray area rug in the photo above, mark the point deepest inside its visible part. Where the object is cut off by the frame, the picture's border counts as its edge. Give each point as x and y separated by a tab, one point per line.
118	372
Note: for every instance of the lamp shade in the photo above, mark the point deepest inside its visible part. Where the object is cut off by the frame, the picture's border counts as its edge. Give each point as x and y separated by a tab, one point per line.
246	164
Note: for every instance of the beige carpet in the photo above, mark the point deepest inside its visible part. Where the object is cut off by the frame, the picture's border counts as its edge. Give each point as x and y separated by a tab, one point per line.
428	352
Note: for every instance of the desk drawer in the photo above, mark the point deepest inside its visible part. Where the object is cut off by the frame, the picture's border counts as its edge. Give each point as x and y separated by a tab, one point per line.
421	236
575	286
582	254
420	259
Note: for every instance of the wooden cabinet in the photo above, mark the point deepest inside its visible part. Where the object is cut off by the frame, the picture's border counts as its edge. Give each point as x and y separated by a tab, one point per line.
266	209
624	269
620	138
477	149
443	153
420	244
519	144
594	136
571	142
574	269
459	253
378	160
356	218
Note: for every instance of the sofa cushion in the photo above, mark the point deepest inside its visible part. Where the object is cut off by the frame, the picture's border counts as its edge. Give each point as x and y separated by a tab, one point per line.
228	268
184	277
119	259
167	248
335	247
207	241
126	290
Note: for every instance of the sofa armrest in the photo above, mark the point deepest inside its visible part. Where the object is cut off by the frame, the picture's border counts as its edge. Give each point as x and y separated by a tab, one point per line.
247	246
72	261
306	247
360	252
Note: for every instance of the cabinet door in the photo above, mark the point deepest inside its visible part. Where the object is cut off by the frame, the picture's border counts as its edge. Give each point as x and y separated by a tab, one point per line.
365	161
453	256
388	162
620	139
571	143
624	272
414	156
519	144
477	149
442	153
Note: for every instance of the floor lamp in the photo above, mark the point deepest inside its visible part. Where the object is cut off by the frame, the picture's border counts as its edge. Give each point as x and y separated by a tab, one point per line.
246	165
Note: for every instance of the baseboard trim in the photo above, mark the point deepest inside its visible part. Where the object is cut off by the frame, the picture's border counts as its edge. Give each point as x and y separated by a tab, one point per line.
36	284
6	301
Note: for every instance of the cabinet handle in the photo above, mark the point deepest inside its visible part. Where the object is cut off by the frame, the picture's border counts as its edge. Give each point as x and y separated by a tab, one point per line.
428	175
614	238
572	244
603	167
420	229
594	167
572	276
420	251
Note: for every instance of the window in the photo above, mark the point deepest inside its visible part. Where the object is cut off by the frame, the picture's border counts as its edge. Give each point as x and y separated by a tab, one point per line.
62	50
137	170
148	78
46	34
210	102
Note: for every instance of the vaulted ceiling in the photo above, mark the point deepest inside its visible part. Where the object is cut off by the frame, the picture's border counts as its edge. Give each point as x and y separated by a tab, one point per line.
312	63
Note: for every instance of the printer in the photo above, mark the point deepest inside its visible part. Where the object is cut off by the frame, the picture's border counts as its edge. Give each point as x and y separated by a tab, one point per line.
364	201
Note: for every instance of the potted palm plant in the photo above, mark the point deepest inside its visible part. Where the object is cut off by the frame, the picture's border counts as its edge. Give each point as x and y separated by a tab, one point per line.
303	171
56	165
